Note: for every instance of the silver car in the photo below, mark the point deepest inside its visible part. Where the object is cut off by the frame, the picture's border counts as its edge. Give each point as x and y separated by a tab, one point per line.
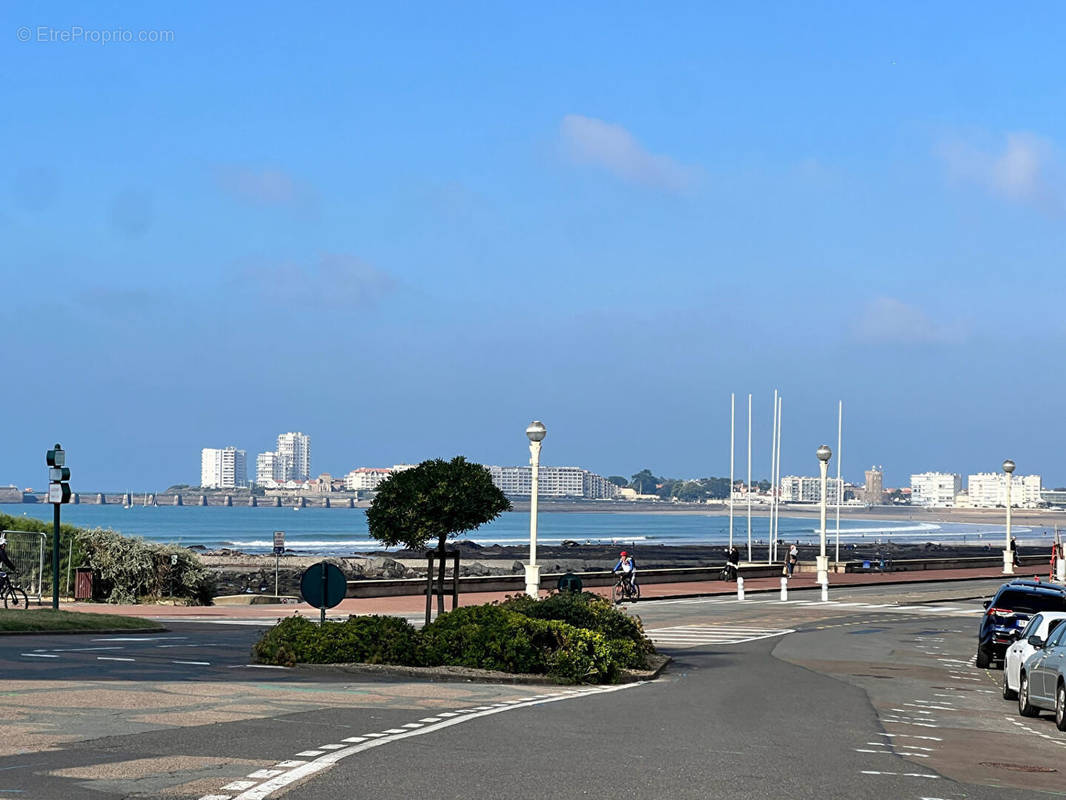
1042	682
1042	625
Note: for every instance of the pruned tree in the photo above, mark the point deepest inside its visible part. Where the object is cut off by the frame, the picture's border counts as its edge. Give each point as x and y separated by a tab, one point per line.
435	501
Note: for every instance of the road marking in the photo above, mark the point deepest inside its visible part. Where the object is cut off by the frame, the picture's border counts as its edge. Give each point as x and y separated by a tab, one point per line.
256	666
193	663
239	786
114	658
322	747
290	763
309	754
354	739
431	719
138	638
39	655
876	772
272	785
694	635
265	773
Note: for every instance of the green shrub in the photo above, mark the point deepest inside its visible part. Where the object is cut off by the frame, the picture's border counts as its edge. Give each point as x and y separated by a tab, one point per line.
368	640
488	637
128	569
592	612
493	637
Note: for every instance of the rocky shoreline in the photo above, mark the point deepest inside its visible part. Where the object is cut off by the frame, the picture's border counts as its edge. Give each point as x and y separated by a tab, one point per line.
240	573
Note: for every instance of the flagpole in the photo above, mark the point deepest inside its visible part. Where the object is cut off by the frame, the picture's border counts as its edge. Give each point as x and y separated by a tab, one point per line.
773	457
840	485
732	438
749	476
777	512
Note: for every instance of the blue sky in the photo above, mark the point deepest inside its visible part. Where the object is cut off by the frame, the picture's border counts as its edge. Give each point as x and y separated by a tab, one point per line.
409	229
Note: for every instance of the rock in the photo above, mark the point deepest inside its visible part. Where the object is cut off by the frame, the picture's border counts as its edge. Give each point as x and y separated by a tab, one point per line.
386	568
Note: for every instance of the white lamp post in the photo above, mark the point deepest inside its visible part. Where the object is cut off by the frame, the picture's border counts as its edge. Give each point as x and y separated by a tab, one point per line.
824	454
1008	554
536	433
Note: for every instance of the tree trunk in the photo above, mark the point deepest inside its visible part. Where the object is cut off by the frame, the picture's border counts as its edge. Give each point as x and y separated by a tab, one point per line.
440	584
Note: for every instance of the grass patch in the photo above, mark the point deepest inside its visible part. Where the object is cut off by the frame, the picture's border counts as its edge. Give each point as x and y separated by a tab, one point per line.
48	620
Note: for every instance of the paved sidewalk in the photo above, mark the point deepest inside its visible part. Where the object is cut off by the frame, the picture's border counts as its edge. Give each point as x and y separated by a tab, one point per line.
414	605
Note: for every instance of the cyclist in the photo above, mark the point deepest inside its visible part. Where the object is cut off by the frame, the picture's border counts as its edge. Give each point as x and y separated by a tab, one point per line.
5	559
733	563
628	567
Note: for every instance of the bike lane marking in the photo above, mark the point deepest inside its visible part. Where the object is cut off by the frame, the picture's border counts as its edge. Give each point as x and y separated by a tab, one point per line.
267	788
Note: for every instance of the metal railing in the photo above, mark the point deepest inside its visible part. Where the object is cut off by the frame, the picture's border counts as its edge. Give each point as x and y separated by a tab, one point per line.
26	549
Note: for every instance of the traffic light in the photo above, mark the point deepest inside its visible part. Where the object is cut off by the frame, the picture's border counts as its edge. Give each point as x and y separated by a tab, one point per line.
58	475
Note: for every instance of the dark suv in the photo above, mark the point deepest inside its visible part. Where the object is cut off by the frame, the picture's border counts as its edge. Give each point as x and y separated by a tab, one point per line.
1009	611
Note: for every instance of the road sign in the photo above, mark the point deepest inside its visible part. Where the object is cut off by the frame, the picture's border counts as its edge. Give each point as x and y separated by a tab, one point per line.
56	457
279	542
323	585
58	493
569	583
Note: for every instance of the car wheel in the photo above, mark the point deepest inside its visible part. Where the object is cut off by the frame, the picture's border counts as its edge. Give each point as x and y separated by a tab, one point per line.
1008	693
984	658
1024	708
1060	706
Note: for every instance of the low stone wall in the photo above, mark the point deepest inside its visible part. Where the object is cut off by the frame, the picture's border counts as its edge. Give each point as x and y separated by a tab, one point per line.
516	583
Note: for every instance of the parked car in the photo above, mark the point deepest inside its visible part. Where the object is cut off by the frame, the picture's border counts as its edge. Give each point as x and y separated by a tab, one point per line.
1009	611
1042	682
1041	626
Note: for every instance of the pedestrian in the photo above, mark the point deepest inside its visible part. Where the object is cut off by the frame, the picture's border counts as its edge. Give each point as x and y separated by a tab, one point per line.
1054	558
1014	552
793	559
733	562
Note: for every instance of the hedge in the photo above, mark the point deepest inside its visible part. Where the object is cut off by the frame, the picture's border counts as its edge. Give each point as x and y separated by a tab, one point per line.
517	636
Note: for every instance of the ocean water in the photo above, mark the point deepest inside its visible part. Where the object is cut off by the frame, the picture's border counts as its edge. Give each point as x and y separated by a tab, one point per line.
329	531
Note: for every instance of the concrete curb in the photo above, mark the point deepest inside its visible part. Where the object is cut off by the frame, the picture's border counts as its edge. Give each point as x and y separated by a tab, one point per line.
153	629
471	674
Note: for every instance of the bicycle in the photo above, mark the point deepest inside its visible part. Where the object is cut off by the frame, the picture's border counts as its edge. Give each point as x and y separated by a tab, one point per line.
624	589
13	594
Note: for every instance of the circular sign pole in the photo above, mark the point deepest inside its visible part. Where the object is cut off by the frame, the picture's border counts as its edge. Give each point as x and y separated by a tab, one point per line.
323	586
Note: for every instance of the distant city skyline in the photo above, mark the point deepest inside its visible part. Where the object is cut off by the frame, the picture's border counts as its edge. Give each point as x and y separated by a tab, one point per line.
609	224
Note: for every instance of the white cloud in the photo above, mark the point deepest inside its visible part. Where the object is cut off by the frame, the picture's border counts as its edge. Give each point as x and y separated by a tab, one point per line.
1026	170
889	320
333	281
588	140
264	186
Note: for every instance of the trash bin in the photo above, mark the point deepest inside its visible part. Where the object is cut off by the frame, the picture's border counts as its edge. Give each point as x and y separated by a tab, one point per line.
83	583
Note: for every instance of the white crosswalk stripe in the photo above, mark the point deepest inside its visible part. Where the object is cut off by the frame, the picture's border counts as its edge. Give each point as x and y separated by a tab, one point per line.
696	635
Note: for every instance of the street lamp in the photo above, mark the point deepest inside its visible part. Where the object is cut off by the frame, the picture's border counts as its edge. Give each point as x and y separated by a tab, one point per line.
824	454
536	433
1008	554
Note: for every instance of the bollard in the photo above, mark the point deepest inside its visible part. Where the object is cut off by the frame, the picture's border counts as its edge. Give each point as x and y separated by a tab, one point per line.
784	590
740	588
1060	570
825	592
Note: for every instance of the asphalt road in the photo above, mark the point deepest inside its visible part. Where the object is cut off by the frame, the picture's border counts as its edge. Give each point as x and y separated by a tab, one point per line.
872	695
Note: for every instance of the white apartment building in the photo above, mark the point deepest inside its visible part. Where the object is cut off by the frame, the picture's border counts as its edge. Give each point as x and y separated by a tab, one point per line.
294	452
553	482
989	490
935	489
268	471
802	489
224	468
365	479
